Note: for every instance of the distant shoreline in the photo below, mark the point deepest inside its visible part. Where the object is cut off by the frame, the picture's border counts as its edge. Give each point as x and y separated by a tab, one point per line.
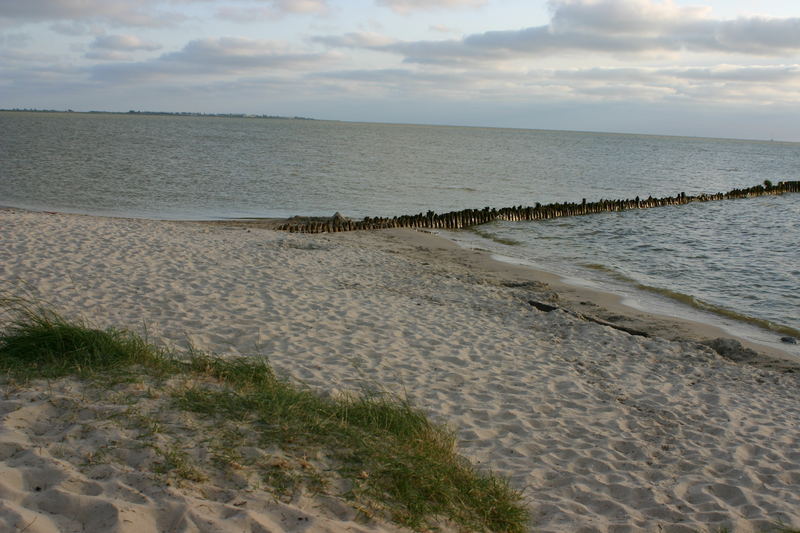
156	113
432	125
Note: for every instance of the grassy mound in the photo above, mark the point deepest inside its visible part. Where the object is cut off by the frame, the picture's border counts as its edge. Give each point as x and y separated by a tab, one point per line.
396	462
40	342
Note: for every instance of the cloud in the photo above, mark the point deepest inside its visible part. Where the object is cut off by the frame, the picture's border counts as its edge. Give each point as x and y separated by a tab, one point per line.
301	6
118	47
616	27
76	29
272	10
108	55
759	35
622	17
246	14
234	52
126	43
15	40
671	27
26	72
405	7
738	73
399	78
213	57
441	28
400	84
70	15
367	40
119	12
754	85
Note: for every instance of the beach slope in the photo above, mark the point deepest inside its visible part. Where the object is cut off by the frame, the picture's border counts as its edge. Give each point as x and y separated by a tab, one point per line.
602	430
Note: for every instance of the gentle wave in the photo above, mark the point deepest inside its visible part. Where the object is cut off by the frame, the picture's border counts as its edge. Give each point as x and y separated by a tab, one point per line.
456	188
492	237
617	275
692	301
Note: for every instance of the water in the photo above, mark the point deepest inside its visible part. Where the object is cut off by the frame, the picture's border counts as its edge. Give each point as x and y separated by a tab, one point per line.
738	259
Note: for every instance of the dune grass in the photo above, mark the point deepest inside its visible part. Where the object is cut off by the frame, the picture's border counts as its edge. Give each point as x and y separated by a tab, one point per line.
397	463
41	343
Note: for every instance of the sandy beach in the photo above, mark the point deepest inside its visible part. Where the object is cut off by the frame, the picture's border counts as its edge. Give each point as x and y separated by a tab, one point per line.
602	430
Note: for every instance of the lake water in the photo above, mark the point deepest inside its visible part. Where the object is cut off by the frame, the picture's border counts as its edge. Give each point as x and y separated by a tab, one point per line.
737	259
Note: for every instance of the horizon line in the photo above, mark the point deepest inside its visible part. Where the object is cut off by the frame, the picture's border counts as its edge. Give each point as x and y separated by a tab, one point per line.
287	117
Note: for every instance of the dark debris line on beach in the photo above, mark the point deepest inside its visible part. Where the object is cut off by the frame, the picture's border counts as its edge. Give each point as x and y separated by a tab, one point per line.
474	217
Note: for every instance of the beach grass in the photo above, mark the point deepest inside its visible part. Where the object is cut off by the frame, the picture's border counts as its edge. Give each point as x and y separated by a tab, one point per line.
391	460
38	342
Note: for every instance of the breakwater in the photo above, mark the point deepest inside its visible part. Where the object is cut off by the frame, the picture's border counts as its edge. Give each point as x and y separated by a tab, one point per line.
474	217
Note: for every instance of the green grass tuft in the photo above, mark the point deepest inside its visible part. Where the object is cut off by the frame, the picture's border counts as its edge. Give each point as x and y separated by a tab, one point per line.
40	342
397	462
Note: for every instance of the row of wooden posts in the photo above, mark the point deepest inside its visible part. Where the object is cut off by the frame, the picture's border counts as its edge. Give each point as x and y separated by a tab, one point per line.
474	217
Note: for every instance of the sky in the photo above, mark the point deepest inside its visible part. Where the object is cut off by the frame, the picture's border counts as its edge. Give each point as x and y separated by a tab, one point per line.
707	68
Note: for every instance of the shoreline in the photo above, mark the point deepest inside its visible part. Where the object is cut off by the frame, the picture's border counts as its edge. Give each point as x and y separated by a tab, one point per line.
602	304
602	430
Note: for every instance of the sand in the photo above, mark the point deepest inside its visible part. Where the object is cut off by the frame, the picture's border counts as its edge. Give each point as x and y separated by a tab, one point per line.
601	430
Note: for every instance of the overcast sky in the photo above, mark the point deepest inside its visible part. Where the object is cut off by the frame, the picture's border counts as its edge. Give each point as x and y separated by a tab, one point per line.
700	67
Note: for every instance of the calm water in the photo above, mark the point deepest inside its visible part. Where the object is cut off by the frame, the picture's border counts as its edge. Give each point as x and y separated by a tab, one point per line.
738	258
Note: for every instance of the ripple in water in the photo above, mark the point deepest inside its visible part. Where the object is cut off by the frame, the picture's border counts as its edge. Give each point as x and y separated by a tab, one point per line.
737	259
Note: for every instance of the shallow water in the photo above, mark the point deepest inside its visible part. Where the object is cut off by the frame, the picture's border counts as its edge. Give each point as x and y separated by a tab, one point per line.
736	258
